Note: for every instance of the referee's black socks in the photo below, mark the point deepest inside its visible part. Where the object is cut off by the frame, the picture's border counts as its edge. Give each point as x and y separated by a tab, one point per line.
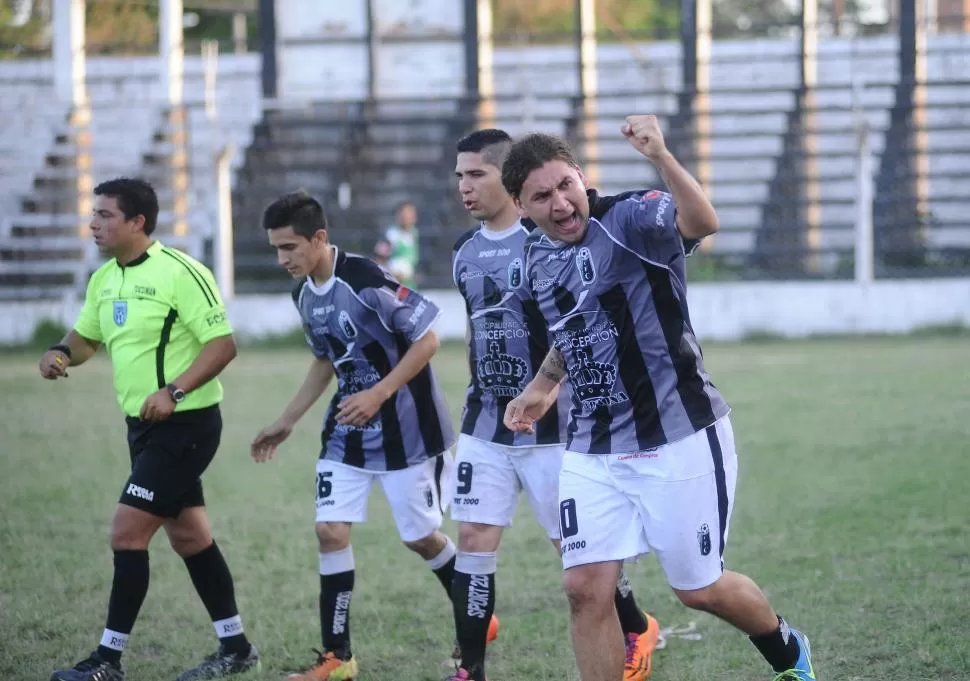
128	589
213	582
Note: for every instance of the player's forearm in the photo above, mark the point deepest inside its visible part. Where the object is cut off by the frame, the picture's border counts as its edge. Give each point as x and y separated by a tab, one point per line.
550	374
212	359
696	217
81	349
314	385
552	396
414	360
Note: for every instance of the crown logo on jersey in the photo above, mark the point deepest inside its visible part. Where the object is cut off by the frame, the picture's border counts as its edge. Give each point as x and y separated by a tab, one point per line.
346	325
592	380
515	273
584	263
500	373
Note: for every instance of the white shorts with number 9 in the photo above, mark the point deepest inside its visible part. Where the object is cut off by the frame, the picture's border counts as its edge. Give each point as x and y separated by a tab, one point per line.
490	477
414	494
674	501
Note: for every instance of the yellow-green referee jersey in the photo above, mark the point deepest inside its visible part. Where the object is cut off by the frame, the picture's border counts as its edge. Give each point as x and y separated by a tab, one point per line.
153	316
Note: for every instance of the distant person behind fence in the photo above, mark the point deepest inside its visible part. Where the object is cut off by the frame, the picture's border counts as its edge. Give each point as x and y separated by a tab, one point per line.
403	237
382	254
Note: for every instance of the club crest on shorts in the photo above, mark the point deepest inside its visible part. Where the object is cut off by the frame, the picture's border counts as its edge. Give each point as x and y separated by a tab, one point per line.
346	325
704	539
120	312
429	497
584	263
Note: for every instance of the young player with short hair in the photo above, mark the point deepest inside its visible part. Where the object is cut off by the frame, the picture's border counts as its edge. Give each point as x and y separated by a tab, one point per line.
387	423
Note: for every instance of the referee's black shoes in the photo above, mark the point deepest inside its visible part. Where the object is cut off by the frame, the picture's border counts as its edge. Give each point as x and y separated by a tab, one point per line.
91	669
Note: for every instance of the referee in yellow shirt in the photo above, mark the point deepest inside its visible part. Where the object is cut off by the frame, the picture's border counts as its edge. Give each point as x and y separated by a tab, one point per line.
159	314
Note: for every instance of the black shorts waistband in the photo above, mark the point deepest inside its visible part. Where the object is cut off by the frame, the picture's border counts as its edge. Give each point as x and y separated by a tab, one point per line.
201	416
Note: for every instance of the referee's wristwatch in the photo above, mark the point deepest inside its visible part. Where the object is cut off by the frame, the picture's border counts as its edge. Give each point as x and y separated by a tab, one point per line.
176	392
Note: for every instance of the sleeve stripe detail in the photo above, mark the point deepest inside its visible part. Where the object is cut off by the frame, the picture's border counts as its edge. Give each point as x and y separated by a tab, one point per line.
199	279
369	307
594	221
454	263
163	341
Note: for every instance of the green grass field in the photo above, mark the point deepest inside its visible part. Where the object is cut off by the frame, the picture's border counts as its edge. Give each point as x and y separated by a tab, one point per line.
852	513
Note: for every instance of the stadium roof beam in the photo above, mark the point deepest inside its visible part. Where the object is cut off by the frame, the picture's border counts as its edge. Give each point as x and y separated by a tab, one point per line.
269	73
588	86
69	51
691	125
479	60
788	239
71	89
901	207
171	50
807	111
372	43
171	53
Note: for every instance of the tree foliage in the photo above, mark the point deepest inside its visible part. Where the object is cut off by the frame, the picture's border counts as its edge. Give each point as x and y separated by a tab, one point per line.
557	17
131	26
21	39
659	19
121	27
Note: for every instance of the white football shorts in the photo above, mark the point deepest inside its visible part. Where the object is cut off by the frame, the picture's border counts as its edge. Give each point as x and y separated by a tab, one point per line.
674	501
414	494
489	478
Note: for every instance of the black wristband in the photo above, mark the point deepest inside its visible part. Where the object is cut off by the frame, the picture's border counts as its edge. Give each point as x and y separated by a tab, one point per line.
60	347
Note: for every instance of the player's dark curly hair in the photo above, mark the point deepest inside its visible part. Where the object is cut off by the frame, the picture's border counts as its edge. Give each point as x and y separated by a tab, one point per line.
135	197
531	153
298	210
493	144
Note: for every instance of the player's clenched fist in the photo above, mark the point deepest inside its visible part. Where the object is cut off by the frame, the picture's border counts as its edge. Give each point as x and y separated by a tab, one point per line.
54	364
530	406
643	132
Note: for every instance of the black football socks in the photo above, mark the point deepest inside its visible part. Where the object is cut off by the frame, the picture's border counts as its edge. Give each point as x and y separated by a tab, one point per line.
213	582
128	590
336	589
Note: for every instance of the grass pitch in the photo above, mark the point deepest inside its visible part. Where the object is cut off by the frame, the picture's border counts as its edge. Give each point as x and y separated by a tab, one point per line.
852	513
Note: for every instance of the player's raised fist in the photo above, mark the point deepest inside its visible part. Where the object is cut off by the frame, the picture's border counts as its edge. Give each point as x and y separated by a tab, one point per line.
643	132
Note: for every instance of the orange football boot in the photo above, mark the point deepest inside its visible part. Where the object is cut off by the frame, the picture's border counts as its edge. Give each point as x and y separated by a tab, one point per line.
639	651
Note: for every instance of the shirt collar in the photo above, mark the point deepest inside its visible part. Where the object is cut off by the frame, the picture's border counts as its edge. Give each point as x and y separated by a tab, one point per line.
329	283
153	249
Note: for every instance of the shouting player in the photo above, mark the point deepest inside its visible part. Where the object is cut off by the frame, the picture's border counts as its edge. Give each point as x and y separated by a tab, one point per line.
387	422
650	463
507	343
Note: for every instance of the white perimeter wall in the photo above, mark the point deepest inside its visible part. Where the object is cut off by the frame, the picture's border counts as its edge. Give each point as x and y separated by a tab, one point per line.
719	311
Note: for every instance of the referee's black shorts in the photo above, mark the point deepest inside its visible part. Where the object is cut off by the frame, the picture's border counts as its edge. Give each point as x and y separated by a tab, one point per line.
168	458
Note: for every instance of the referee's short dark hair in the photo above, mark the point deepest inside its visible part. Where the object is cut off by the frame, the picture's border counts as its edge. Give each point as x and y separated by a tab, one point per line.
298	210
135	197
493	144
531	153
